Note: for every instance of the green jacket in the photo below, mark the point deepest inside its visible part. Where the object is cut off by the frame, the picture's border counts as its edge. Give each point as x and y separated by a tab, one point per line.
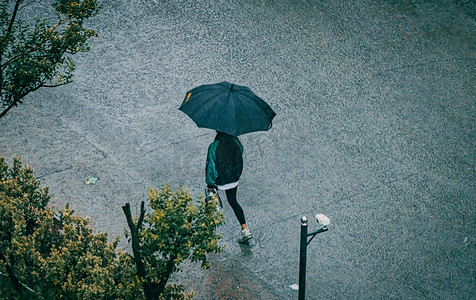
224	166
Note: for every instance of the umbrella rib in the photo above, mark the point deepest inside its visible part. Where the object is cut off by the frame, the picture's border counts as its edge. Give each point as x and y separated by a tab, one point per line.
228	104
235	119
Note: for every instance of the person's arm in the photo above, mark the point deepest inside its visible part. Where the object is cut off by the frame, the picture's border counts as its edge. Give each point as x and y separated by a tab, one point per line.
211	173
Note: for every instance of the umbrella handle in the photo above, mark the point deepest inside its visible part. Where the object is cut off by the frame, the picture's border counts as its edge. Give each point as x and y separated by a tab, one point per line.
270	125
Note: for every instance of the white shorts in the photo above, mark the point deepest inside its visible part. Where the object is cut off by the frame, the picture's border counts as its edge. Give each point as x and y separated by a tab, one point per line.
227	186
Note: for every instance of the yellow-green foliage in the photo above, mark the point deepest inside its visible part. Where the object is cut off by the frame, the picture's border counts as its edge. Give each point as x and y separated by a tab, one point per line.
61	258
67	261
177	230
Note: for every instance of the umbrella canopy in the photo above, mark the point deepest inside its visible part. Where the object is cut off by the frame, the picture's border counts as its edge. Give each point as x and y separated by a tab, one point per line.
227	107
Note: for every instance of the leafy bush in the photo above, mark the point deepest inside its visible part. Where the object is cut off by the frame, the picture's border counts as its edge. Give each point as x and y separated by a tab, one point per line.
48	255
174	231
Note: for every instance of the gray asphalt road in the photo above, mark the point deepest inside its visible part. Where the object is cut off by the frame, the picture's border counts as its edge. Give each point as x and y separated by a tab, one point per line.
375	128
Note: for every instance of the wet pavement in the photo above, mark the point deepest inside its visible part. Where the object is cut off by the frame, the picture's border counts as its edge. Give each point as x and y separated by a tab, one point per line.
375	128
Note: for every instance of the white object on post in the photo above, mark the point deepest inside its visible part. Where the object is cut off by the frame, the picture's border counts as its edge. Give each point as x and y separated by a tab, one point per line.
323	220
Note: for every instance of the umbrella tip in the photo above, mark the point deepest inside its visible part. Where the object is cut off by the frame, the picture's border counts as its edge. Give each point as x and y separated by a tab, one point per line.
231	87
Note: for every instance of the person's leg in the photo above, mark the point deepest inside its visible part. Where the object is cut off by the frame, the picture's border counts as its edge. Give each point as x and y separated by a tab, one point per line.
231	197
245	232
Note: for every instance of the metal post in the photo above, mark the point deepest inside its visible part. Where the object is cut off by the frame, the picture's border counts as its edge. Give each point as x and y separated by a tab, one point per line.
302	259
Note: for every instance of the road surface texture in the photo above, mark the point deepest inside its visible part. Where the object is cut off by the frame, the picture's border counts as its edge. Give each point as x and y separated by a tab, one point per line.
375	128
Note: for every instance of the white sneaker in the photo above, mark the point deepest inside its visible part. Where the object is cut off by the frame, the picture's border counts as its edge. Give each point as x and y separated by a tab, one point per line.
245	235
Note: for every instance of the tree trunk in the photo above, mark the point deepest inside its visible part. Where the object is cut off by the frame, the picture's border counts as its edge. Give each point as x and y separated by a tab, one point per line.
151	290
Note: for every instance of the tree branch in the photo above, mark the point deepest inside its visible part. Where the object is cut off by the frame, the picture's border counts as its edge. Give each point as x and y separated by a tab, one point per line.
135	238
150	288
56	85
169	268
12	276
60	22
3	113
14	15
142	214
18	57
17	99
10	26
41	84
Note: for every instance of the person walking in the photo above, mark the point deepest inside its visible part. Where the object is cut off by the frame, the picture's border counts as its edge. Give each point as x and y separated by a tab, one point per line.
223	169
231	110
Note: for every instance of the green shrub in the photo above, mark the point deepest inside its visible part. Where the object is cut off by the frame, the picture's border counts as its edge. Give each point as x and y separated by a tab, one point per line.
48	255
54	257
174	231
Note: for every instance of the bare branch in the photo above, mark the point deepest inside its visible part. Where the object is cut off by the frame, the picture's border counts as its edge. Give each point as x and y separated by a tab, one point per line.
142	214
56	85
60	22
135	239
14	15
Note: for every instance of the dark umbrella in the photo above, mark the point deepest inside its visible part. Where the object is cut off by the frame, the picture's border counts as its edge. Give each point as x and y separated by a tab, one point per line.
227	107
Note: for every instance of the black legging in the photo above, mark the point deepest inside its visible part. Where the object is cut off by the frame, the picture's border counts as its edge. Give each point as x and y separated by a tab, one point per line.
231	197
